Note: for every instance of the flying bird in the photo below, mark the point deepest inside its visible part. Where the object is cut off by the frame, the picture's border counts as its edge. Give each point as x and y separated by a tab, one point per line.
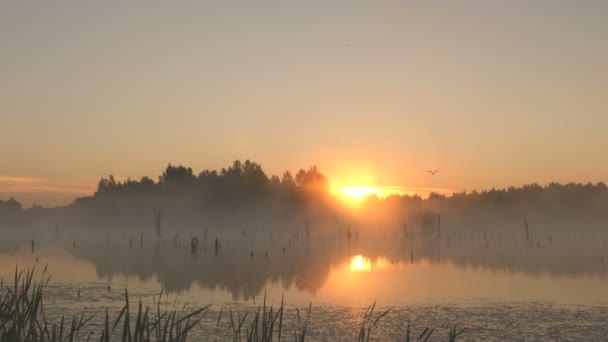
432	172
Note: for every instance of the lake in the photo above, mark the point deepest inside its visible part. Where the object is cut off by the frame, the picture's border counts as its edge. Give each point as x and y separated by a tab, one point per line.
497	286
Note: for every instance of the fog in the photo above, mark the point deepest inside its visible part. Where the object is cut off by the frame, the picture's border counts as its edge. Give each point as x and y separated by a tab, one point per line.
293	230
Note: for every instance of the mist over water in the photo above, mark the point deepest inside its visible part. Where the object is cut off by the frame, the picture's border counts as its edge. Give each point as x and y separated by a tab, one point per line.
504	264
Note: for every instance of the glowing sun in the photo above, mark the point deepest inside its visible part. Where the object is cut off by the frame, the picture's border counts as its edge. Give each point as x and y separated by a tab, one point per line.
358	191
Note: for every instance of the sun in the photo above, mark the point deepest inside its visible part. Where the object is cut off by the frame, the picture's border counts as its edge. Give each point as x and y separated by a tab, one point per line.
358	191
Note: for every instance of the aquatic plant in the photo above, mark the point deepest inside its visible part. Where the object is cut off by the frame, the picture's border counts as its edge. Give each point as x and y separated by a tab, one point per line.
158	325
453	334
365	331
22	319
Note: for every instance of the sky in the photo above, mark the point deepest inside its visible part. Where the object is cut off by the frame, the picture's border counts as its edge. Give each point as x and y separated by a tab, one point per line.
375	93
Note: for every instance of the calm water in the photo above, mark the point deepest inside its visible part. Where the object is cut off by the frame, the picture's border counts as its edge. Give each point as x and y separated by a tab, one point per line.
498	287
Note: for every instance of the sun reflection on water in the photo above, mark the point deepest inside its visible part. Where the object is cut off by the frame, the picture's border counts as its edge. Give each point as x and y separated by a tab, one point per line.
359	263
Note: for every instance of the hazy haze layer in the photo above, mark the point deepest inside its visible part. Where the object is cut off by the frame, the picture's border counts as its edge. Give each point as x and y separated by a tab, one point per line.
491	93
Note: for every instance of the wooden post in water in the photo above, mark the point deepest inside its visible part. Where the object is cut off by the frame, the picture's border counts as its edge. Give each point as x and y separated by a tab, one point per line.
158	216
439	227
439	237
527	232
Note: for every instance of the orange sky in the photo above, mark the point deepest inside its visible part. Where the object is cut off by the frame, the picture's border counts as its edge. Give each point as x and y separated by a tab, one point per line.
490	93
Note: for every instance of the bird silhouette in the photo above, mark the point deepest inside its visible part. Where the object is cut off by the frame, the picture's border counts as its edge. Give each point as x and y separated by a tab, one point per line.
433	172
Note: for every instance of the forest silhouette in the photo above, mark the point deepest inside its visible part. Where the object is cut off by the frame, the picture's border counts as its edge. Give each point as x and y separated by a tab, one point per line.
244	193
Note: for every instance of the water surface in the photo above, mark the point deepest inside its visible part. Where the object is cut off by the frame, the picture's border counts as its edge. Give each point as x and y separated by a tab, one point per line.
499	288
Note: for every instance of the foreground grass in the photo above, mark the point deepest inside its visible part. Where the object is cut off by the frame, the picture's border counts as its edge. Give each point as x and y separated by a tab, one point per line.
22	318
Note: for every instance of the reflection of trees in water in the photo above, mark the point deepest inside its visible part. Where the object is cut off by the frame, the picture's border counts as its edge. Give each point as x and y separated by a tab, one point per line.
306	263
566	256
232	270
308	267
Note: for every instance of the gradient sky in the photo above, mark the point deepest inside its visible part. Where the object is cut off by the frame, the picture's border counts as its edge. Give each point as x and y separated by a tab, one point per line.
492	93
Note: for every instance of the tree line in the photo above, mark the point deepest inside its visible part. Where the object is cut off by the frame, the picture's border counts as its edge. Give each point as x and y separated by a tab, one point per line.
244	189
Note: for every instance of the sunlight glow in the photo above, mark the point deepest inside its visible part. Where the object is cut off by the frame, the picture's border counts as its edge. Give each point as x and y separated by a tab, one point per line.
359	263
358	191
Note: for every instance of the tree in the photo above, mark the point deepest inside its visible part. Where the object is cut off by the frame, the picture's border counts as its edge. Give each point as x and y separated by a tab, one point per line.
106	185
177	175
312	181
11	206
287	180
